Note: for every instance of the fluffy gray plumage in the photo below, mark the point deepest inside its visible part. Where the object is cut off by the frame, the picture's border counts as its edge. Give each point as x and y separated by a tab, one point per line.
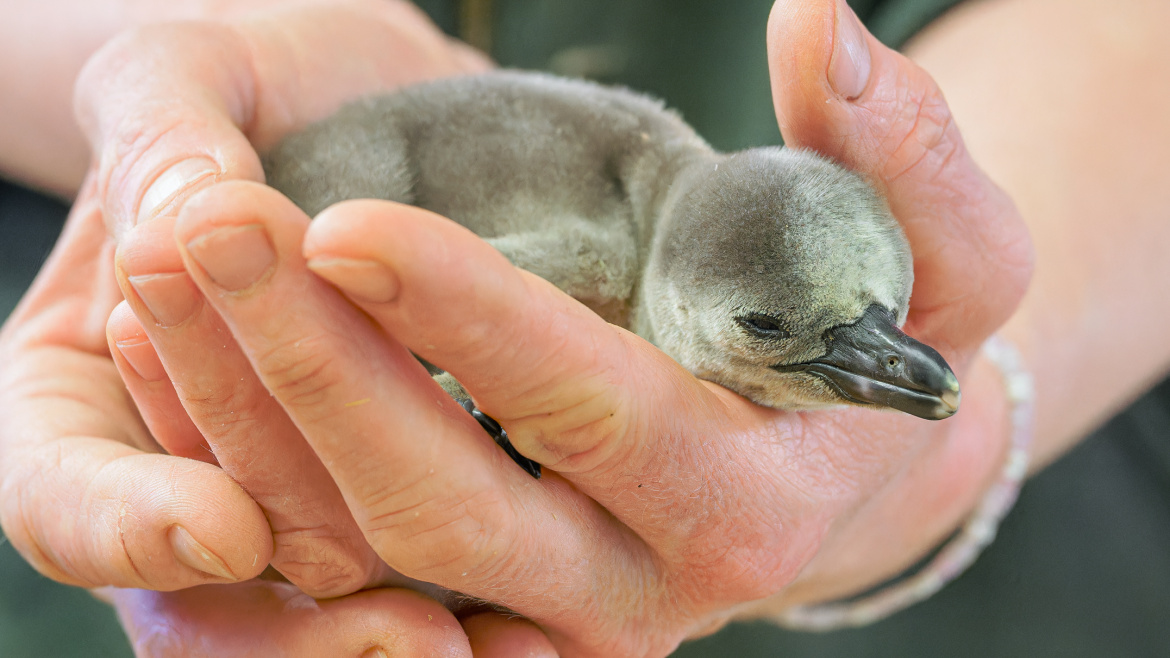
740	266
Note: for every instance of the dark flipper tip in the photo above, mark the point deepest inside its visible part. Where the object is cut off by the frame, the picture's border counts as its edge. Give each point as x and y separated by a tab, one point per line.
500	436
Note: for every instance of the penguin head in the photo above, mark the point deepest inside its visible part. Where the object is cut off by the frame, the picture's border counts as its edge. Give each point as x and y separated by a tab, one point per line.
785	278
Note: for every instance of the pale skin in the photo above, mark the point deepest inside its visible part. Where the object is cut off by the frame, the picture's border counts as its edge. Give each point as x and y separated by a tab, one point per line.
741	503
58	370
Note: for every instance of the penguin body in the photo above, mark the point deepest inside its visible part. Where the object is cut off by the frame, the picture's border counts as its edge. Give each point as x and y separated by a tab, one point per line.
769	271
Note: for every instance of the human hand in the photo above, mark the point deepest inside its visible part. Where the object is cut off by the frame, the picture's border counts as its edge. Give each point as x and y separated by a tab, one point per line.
172	108
89	499
671	505
85	494
273	618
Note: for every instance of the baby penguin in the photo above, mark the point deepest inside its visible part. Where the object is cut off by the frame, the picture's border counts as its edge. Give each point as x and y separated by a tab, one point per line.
772	272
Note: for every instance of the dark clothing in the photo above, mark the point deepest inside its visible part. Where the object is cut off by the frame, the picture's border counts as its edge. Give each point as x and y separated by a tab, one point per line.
1081	567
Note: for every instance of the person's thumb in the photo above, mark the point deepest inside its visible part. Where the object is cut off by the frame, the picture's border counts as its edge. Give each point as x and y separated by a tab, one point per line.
837	90
163	108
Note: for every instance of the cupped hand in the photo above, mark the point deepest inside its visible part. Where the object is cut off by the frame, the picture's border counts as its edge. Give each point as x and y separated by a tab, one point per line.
670	504
173	108
85	494
88	497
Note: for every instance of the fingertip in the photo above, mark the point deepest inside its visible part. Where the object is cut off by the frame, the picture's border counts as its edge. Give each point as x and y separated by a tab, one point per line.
131	349
151	101
148	248
190	511
849	65
123	324
332	231
396	239
495	635
95	513
800	45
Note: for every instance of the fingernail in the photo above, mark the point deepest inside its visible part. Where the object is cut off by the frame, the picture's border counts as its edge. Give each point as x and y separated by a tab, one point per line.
171	298
849	66
142	357
195	555
375	652
180	177
363	280
235	257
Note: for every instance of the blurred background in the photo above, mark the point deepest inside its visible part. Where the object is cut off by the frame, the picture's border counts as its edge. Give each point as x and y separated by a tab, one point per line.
1081	567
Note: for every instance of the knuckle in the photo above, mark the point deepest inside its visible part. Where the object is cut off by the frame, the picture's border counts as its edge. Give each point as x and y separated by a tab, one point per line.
301	372
581	437
924	139
320	562
160	636
219	407
228	414
434	532
579	423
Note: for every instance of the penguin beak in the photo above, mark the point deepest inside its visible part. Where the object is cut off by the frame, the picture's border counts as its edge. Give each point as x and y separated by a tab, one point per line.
872	362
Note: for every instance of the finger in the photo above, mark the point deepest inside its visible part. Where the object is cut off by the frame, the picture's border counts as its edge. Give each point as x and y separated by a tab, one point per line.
321	360
318	546
172	108
154	394
565	383
494	635
839	91
434	494
234	620
81	504
579	395
90	512
163	117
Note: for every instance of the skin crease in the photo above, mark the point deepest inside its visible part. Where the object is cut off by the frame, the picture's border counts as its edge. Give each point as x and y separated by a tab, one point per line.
953	458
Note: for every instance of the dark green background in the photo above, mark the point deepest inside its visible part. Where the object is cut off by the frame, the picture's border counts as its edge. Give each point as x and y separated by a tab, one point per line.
1082	566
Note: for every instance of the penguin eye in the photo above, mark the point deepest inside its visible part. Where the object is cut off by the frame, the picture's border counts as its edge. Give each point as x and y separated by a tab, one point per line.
762	326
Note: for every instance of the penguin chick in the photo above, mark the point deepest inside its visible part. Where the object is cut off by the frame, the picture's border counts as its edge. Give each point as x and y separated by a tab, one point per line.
772	272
